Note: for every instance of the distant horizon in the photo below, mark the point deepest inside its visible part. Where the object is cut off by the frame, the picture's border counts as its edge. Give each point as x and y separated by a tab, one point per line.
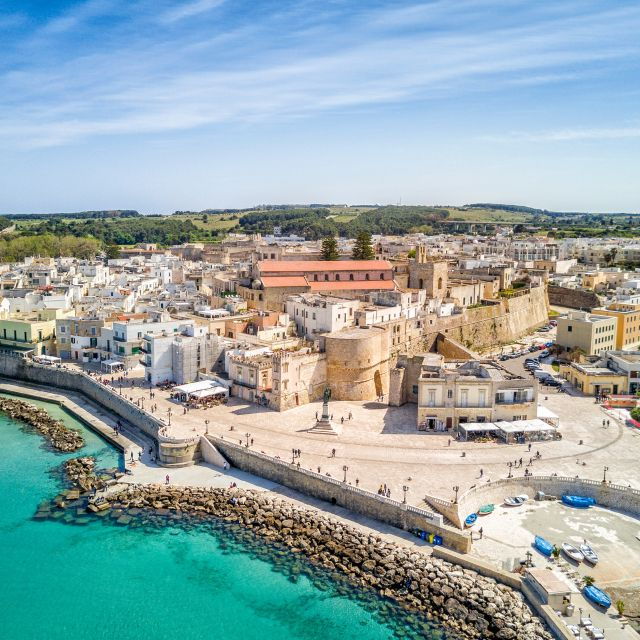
314	204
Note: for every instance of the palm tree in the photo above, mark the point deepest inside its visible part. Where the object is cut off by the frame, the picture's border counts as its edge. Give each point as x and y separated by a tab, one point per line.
588	581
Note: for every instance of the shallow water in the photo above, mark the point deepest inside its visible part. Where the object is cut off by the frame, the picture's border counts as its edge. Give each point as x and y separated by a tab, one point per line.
106	581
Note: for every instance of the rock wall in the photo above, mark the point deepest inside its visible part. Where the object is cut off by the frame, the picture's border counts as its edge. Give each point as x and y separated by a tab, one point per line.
171	452
573	298
342	494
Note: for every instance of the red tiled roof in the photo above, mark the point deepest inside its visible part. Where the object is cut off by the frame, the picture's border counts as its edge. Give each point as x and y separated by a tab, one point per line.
366	285
270	266
284	281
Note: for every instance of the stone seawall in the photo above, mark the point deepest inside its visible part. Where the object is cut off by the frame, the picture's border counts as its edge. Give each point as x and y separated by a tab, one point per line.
609	495
171	452
342	494
465	602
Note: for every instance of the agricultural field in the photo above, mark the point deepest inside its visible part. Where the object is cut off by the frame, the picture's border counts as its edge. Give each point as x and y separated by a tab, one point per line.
486	215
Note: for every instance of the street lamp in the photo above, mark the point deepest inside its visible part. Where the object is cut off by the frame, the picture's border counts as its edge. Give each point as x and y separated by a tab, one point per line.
345	469
206	422
169	415
404	490
456	489
510	474
150	386
529	556
604	476
247	436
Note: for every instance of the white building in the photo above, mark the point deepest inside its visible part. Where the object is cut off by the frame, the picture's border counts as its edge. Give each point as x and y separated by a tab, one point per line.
315	314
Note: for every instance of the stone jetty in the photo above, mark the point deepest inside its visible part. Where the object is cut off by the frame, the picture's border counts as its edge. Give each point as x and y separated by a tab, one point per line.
54	431
466	603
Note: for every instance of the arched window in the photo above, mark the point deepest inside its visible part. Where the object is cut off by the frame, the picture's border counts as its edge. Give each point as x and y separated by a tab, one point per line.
439	283
315	277
351	276
382	276
421	284
326	276
366	277
337	276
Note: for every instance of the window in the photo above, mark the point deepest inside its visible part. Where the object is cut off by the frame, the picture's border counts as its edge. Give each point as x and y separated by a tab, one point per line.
63	329
382	276
366	277
431	400
351	276
414	389
326	276
315	277
337	276
464	397
450	394
569	328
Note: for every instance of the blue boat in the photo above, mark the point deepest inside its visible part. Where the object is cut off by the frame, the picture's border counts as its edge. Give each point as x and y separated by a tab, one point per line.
471	520
598	596
543	546
579	502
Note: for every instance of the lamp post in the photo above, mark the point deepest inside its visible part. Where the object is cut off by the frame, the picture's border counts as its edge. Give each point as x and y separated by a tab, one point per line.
456	489
169	415
247	436
150	387
510	474
206	422
345	469
404	491
604	476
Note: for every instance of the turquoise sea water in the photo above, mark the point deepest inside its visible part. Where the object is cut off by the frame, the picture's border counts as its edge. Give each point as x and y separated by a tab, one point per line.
107	581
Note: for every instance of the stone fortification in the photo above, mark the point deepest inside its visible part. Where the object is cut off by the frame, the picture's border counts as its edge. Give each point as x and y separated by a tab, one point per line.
574	298
58	435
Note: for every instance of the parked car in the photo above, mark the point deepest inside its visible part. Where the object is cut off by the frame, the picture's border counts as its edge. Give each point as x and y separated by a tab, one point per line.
553	323
533	348
503	358
544	353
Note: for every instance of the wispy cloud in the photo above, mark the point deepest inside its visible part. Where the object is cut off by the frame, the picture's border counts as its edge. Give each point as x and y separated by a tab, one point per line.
568	135
168	73
189	10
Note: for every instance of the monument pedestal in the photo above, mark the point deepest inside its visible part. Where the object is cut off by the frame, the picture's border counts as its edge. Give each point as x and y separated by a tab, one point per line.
324	424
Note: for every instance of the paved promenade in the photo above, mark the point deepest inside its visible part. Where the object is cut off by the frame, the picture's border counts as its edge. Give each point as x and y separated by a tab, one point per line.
380	444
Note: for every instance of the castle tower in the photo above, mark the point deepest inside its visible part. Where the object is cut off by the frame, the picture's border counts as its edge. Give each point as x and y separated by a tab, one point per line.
429	273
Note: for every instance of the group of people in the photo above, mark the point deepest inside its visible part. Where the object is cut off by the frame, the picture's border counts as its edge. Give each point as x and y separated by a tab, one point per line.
384	491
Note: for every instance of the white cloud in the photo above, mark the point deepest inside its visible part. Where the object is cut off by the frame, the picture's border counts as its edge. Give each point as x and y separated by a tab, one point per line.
189	9
568	135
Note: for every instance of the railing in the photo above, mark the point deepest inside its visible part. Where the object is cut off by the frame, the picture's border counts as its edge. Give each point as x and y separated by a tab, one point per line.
429	515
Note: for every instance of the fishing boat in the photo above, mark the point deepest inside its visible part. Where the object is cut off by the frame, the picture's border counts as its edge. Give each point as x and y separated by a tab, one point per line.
597	595
572	552
486	509
543	546
589	554
470	520
579	502
515	501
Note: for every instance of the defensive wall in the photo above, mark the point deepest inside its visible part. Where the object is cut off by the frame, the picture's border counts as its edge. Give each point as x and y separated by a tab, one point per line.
171	451
614	496
358	500
573	298
500	322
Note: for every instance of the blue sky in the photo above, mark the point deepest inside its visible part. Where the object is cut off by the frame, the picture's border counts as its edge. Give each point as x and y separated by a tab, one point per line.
165	104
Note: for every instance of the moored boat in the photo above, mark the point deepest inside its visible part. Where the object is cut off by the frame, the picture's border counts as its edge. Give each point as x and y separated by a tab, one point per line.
486	509
572	552
470	520
597	595
543	546
515	501
578	502
589	554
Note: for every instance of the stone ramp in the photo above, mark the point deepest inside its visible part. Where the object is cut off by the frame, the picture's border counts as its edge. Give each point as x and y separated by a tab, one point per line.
211	454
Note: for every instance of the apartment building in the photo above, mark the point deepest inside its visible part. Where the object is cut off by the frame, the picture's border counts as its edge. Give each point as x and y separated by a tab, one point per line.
314	314
77	338
29	334
589	332
454	393
628	327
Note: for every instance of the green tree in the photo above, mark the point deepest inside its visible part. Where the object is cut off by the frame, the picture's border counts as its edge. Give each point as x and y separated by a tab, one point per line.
363	250
620	607
329	249
112	251
588	581
411	253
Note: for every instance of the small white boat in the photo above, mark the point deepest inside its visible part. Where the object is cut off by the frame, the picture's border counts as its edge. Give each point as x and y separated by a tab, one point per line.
516	501
589	554
572	552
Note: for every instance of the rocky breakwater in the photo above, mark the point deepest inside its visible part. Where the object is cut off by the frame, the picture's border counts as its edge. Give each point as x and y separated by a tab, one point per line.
467	604
58	435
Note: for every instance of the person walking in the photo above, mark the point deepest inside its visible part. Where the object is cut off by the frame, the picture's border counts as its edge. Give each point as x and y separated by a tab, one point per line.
481	532
166	480
481	472
342	420
333	453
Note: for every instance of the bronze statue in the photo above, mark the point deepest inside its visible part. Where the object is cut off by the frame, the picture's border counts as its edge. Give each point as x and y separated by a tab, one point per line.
327	394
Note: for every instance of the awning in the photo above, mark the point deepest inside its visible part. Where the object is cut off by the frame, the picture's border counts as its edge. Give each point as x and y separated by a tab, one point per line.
206	393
